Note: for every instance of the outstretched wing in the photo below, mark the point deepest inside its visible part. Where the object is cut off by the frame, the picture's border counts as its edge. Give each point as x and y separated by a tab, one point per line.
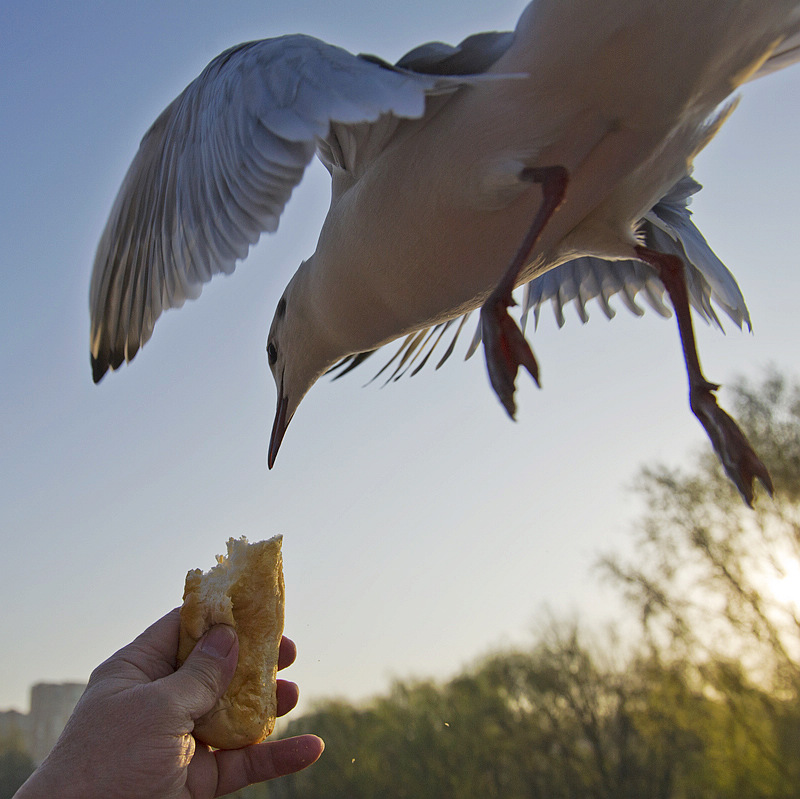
668	228
219	165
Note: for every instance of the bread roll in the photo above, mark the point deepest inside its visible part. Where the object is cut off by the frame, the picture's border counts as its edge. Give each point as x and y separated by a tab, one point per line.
245	589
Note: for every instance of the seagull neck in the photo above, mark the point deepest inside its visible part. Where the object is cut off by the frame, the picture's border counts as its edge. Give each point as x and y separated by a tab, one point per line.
306	298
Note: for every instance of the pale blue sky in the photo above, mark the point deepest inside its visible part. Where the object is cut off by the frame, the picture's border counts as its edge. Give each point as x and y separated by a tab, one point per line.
421	527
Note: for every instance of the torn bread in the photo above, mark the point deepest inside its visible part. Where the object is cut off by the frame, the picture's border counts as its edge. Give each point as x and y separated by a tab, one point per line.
245	589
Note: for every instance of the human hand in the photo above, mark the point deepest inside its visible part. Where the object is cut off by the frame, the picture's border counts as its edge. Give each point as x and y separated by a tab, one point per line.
130	735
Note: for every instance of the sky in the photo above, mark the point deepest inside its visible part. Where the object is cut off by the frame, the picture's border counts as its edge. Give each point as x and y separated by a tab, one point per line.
421	527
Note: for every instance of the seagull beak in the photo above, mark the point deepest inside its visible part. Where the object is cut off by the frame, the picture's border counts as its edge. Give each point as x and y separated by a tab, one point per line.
278	427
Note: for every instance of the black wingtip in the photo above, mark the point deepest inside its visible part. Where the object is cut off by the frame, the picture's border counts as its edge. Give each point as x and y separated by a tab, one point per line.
99	370
110	360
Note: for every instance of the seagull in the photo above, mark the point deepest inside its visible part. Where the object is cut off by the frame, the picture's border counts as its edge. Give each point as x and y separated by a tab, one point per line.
555	154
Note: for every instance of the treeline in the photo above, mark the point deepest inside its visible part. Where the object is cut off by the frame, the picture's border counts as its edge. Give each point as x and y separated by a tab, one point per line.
557	721
16	764
704	702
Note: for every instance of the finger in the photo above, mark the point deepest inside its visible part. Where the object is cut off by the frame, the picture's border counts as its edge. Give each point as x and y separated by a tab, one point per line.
287	652
148	657
206	673
240	767
288	694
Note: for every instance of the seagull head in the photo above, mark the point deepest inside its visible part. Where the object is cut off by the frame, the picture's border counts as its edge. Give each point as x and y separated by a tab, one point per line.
299	353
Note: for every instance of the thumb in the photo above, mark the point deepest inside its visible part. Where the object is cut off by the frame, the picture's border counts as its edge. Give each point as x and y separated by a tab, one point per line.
207	672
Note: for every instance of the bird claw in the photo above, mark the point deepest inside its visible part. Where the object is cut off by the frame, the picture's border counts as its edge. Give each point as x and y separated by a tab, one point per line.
505	346
506	349
738	458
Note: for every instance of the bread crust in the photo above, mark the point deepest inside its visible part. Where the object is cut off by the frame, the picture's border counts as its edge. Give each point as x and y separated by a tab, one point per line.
246	590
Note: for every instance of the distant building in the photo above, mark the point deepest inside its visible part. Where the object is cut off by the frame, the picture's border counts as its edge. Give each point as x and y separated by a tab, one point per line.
14	726
51	706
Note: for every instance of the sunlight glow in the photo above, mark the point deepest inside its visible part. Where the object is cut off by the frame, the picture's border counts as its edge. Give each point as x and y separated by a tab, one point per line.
786	587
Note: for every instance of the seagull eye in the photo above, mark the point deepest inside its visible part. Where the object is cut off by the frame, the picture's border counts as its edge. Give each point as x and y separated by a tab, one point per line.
272	354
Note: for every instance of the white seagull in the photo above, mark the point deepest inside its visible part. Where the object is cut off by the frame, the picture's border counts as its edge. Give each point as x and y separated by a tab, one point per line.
457	174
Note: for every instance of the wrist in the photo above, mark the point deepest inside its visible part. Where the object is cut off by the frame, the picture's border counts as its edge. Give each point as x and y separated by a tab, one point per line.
38	786
51	780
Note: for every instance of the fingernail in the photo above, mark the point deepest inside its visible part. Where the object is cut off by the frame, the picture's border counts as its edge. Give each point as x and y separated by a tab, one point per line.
218	641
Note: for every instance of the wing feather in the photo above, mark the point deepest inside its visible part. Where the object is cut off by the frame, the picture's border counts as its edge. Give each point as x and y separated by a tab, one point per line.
218	166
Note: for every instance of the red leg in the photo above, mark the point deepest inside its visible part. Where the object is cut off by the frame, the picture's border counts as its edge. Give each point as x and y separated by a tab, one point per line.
738	458
504	344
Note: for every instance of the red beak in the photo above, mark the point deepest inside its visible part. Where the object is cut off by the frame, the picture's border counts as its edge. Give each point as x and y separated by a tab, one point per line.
278	427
